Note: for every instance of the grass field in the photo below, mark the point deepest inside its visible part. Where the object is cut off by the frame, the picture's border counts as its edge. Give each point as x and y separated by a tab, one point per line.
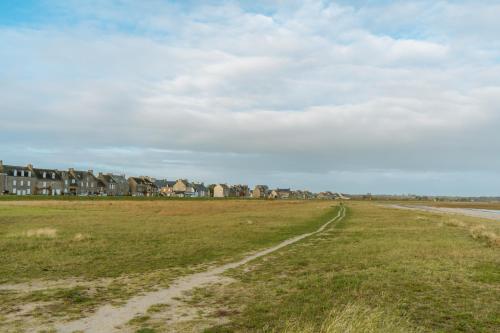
378	270
124	247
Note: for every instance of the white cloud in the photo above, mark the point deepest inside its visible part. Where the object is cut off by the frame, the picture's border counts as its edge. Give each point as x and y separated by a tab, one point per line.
309	88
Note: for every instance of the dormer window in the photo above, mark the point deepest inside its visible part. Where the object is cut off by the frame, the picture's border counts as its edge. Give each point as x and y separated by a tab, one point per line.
15	173
29	173
44	174
22	173
53	175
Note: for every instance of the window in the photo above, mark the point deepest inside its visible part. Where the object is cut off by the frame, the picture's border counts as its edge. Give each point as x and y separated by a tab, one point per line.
44	184
91	184
28	191
29	173
22	182
53	175
87	184
29	182
15	173
72	181
14	190
66	182
14	182
44	174
22	173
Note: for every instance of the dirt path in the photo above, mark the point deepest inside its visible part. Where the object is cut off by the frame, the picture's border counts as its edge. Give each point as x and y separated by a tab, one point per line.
108	318
482	213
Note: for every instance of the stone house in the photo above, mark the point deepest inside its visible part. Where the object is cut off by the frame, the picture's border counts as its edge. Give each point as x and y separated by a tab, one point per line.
142	186
210	189
221	191
165	187
47	181
122	187
183	188
79	182
16	180
260	191
280	193
239	191
327	195
113	185
200	190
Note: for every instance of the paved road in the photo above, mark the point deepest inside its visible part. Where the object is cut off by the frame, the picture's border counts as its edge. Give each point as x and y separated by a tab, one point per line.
482	213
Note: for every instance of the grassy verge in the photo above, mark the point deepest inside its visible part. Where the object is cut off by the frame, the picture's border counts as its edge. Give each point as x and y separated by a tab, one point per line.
380	270
107	251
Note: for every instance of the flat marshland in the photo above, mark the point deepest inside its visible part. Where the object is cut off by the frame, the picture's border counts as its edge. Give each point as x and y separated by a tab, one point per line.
379	269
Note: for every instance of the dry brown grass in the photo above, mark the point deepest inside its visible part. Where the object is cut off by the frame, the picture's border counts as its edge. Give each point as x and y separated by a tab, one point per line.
79	237
481	233
353	318
42	232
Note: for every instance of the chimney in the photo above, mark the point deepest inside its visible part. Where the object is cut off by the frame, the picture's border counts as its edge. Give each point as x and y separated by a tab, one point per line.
100	174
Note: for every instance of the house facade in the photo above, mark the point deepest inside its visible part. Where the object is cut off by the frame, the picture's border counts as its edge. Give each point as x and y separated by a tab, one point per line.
47	181
142	186
122	187
79	182
165	187
200	190
260	191
280	193
113	185
327	195
239	191
17	180
221	191
183	188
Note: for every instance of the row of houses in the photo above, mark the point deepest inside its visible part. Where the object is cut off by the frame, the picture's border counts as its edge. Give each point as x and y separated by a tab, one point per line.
27	180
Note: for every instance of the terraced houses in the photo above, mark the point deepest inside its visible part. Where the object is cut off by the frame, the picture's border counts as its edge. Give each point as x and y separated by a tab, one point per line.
27	180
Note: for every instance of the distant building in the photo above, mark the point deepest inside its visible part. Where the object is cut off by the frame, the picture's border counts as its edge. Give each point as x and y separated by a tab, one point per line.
16	180
122	186
200	190
280	193
47	181
239	191
260	191
165	187
221	191
142	186
79	182
183	188
113	185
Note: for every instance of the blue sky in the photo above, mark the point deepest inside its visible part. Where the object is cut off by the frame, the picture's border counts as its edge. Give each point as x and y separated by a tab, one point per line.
354	96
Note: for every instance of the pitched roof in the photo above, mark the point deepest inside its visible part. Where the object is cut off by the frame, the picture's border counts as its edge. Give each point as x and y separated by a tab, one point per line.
199	187
48	173
9	170
164	183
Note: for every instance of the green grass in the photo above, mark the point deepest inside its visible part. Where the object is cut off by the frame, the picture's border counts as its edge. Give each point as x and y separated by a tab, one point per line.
124	247
378	270
388	270
112	238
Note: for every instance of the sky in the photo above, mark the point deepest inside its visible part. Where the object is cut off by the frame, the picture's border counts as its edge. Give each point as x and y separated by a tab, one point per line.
391	97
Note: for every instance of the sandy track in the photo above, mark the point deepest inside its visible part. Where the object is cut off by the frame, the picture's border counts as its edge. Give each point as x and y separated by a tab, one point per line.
108	318
482	213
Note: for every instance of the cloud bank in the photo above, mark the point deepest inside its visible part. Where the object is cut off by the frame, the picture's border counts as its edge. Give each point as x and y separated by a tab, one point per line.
385	97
